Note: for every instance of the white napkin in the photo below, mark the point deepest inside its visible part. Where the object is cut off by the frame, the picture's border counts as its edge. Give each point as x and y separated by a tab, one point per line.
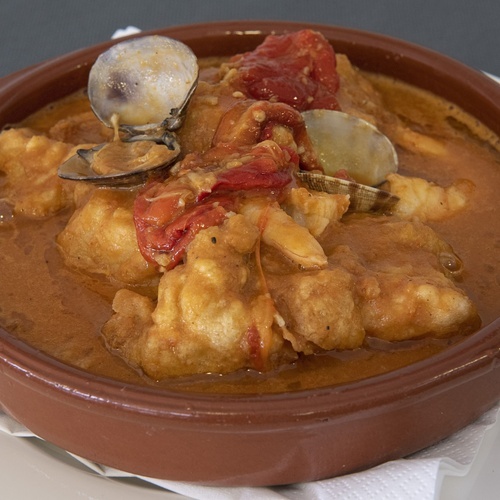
129	30
418	477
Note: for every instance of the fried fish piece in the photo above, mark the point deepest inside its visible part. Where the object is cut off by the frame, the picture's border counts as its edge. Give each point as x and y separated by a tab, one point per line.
385	279
213	314
320	309
100	238
426	201
404	288
30	163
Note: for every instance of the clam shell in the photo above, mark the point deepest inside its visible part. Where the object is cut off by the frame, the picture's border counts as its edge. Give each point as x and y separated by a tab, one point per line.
80	167
343	141
144	81
142	87
362	198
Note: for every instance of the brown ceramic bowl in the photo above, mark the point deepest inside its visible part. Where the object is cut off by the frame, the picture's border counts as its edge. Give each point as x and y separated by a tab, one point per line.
255	439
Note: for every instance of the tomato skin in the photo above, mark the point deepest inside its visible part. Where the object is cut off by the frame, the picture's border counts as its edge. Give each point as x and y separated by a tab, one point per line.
250	122
298	69
173	238
285	75
168	216
258	175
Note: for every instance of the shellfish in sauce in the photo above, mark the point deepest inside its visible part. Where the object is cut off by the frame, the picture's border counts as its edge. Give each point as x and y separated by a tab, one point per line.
392	267
141	88
344	141
361	198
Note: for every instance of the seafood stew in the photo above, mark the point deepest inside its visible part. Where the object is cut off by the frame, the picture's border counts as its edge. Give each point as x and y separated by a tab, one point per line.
273	282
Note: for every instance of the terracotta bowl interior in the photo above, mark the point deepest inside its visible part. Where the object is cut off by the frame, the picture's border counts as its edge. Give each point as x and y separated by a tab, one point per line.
256	439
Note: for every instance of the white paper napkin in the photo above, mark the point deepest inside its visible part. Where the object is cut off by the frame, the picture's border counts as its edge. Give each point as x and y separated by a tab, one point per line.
129	30
418	477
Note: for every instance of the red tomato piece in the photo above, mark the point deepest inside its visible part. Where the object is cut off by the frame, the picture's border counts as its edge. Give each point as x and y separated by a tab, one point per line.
298	69
169	215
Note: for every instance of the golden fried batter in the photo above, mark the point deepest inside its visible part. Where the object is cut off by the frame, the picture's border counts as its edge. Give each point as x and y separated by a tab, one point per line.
213	314
319	309
100	238
426	201
218	312
30	164
402	282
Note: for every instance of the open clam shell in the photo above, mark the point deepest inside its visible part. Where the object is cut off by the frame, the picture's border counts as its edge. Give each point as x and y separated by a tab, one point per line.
120	164
140	87
343	141
144	81
362	198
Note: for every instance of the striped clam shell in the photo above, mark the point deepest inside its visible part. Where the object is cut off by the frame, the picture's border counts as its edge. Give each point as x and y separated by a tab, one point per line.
346	142
362	198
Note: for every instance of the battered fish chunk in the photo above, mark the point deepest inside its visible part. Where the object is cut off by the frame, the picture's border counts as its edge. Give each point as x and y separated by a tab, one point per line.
100	238
402	285
315	210
426	201
213	313
408	307
320	309
385	279
30	163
